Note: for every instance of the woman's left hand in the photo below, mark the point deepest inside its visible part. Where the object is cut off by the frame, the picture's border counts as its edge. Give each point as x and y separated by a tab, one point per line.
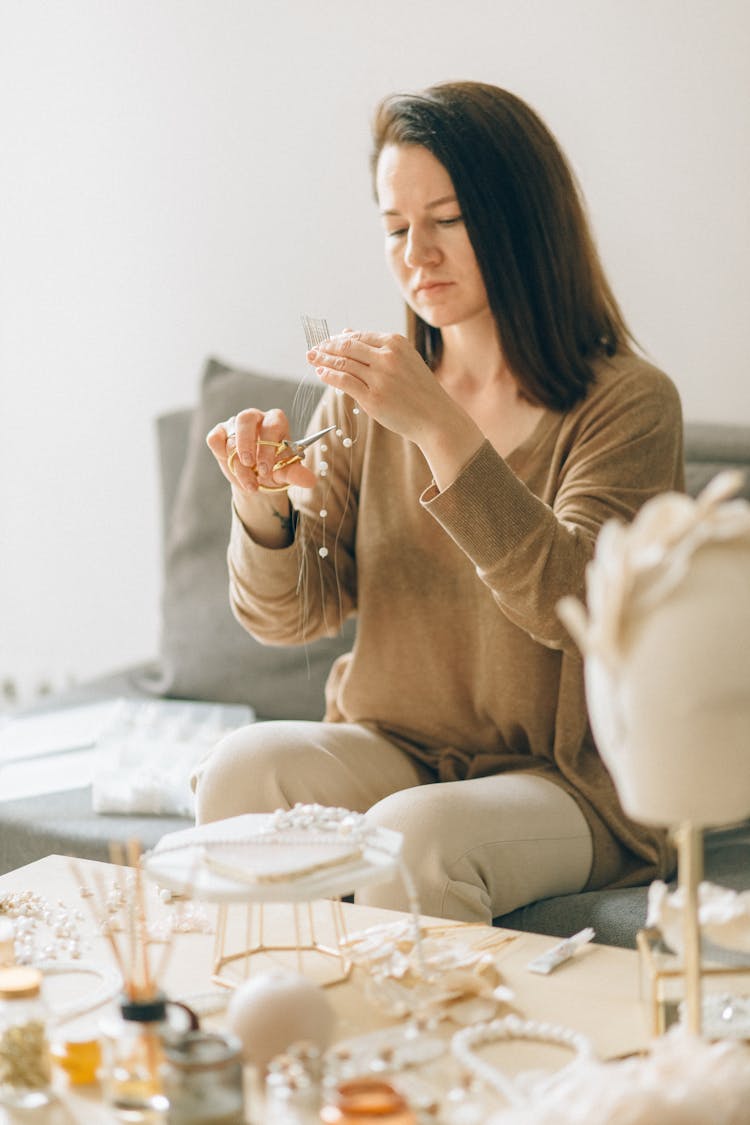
388	379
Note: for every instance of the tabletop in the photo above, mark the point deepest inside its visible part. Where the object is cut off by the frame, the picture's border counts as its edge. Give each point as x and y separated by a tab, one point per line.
596	993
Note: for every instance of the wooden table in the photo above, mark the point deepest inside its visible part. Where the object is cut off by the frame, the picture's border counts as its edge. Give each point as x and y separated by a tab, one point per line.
596	993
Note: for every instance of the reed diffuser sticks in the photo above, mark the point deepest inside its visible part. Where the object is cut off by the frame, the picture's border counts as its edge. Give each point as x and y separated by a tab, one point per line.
121	916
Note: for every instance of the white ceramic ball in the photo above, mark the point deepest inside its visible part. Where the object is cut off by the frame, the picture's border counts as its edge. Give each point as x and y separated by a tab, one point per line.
270	1011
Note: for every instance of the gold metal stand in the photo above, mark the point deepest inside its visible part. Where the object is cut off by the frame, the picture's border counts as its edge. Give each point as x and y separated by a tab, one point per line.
670	976
306	953
690	874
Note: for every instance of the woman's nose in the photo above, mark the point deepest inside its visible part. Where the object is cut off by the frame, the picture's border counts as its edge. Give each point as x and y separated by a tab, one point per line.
420	249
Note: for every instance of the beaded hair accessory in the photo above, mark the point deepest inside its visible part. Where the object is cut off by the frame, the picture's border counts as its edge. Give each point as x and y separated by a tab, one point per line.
309	851
316	331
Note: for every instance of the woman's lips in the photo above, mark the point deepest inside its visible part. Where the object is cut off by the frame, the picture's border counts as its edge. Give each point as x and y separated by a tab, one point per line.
433	287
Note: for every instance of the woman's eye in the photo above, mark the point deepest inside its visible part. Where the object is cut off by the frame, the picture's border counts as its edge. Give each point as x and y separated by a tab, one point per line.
398	233
450	222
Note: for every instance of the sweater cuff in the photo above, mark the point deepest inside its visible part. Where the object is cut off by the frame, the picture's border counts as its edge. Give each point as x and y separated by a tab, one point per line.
276	568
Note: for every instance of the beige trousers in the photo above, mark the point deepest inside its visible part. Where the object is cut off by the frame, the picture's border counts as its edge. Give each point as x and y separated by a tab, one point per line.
475	849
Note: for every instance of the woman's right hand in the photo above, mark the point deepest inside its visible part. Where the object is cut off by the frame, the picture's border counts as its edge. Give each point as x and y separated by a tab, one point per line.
245	448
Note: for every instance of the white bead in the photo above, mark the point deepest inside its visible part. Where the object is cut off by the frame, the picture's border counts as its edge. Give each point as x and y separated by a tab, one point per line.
323	466
355	410
339	433
323	447
323	513
347	442
323	552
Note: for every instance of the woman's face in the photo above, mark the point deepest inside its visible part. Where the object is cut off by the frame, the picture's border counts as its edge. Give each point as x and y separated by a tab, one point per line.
427	247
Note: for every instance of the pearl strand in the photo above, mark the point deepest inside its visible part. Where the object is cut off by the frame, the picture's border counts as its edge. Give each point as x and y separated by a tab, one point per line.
508	1028
347	443
303	824
316	332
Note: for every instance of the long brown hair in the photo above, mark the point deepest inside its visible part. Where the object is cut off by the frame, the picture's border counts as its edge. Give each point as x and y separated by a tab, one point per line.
554	309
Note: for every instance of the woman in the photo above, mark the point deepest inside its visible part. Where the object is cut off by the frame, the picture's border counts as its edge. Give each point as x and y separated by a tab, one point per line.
486	452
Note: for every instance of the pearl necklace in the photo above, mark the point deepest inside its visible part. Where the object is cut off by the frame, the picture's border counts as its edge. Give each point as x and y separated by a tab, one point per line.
464	1042
110	986
303	824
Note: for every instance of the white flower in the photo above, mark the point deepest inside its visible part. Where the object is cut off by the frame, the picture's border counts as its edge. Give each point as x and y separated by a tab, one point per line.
635	566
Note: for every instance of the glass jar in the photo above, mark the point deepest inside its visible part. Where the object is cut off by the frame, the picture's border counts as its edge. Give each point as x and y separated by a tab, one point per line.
366	1100
80	1058
203	1080
133	1054
25	1068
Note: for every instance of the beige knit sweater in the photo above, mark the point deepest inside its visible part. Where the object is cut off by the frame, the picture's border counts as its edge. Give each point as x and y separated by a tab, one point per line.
460	657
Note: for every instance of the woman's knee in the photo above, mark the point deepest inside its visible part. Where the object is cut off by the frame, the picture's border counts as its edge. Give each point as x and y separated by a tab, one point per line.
251	770
415	812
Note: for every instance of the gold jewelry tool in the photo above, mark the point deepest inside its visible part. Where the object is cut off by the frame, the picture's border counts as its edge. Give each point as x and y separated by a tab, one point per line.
297	448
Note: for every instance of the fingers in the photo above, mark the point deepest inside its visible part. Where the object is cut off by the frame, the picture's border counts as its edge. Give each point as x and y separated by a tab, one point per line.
342	359
248	446
221	440
352	355
348	351
268	435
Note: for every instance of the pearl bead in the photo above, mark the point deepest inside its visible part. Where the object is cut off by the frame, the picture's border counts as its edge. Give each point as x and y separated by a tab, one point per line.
339	433
323	466
323	513
323	552
347	442
355	410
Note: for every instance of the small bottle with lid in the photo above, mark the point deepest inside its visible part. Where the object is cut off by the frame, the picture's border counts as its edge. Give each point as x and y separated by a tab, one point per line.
25	1068
133	1054
366	1099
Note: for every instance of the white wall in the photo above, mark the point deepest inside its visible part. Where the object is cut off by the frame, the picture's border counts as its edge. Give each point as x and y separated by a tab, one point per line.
184	177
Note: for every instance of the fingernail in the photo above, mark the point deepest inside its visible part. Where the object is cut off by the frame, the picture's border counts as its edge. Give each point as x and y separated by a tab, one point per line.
245	459
312	353
262	469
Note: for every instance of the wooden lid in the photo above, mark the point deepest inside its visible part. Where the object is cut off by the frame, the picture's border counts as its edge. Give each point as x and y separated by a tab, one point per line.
19	982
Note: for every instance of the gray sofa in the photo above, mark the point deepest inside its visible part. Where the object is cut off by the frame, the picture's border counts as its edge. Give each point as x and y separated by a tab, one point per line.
205	655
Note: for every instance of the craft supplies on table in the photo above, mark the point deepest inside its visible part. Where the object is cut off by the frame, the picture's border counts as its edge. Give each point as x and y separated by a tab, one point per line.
25	1067
137	754
203	1082
294	856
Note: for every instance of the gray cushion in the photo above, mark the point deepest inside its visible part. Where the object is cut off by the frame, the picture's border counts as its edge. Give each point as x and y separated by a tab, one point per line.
205	653
63	824
711	448
618	915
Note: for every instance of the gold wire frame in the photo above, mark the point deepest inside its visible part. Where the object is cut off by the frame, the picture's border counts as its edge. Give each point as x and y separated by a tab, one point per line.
307	953
682	981
664	979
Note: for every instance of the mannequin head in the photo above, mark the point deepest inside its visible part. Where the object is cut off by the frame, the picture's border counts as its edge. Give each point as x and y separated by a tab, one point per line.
666	643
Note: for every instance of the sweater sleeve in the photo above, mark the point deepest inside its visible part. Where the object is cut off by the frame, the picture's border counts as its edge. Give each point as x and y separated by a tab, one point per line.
295	594
622	446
